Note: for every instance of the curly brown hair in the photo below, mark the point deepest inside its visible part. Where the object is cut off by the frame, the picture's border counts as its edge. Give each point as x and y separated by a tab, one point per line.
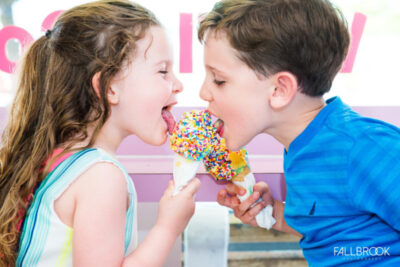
55	102
308	38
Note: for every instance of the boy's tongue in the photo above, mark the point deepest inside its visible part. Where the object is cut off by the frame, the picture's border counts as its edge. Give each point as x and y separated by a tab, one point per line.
169	119
219	124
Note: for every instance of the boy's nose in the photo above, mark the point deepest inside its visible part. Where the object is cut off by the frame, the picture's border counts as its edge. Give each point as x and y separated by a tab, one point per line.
205	94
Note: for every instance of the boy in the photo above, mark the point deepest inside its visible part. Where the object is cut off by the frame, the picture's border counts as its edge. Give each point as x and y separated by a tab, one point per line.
268	64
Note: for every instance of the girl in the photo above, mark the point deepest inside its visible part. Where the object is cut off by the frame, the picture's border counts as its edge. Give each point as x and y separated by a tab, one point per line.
104	72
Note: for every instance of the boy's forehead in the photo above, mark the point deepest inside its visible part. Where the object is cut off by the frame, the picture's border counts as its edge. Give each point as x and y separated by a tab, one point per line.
217	45
213	34
219	51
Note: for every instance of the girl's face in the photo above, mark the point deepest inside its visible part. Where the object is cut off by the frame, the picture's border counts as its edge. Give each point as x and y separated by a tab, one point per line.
235	93
147	88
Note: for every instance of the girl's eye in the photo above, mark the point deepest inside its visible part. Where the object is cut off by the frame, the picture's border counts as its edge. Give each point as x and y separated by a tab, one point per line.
163	72
219	83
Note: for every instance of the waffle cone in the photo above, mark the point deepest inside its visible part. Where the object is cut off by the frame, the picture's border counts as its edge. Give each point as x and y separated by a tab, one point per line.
240	176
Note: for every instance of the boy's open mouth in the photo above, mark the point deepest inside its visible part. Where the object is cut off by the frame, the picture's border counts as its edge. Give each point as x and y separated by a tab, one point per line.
168	118
219	124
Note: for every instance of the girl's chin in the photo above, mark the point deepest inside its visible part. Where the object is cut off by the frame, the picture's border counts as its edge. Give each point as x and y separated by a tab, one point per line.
158	138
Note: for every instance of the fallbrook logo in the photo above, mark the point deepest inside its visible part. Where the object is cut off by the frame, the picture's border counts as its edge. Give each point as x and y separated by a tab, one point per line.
361	251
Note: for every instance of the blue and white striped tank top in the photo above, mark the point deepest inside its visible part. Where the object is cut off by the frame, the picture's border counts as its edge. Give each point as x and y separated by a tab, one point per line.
45	239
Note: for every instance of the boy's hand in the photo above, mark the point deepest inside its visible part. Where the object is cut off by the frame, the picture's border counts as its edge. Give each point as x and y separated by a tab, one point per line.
228	197
247	210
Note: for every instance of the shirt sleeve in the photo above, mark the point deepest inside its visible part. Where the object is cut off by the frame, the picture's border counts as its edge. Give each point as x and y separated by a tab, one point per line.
374	174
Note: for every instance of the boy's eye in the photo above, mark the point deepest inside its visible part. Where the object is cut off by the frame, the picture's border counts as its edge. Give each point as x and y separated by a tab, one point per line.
217	82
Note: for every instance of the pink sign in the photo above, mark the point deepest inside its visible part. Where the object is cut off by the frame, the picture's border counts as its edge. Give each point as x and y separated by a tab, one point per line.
357	29
9	33
50	20
186	38
185	41
23	37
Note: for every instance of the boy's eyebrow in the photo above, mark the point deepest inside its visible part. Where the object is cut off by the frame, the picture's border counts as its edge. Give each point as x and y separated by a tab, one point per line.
215	69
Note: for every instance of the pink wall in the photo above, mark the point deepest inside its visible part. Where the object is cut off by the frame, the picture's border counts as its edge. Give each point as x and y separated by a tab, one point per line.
150	187
151	167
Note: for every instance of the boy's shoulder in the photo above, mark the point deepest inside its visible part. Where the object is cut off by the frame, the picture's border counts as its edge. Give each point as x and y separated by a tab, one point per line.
353	126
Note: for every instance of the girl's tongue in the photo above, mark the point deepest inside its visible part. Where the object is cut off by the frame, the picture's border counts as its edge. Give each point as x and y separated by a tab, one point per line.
169	119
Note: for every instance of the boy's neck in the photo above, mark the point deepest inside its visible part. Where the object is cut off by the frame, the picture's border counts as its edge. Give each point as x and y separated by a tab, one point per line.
295	118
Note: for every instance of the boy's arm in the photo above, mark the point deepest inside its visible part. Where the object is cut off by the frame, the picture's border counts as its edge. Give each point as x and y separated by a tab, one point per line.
281	225
246	212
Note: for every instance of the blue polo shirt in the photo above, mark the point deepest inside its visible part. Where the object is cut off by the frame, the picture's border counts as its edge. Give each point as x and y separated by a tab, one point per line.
343	189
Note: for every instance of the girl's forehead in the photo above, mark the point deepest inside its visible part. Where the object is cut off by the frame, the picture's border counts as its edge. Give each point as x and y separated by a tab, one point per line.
155	46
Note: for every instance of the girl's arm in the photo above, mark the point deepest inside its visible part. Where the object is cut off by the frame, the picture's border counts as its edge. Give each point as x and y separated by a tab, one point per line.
101	202
174	213
99	218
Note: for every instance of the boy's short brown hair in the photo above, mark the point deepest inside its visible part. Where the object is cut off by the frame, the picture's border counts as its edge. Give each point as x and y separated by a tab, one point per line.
308	38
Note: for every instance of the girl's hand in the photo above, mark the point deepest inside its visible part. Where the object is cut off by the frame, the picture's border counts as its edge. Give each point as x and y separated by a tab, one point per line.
174	212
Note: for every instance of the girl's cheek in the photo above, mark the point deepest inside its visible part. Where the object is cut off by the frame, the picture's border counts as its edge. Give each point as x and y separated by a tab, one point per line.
170	86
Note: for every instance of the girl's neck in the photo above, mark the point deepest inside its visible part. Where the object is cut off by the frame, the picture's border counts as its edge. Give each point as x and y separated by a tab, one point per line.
109	138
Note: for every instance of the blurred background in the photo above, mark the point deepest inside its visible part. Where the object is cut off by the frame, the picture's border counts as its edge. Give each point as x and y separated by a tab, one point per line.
371	82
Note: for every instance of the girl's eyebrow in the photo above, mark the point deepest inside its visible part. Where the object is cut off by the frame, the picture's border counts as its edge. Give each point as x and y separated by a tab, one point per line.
163	61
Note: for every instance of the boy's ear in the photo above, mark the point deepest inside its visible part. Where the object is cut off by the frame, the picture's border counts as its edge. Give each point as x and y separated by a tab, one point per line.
285	88
112	94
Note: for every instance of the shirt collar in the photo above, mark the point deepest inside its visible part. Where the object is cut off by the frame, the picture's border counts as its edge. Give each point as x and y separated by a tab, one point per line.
332	104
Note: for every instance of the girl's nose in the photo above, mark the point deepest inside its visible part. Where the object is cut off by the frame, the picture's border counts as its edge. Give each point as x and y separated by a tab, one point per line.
177	86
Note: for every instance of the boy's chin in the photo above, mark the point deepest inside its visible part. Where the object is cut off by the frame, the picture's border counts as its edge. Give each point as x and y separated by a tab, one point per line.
236	144
232	145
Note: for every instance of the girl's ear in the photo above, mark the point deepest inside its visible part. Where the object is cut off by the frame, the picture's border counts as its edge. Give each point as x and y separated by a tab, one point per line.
96	83
112	94
285	88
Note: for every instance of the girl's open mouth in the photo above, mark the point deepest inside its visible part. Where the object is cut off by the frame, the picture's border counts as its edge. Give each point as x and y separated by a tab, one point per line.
168	118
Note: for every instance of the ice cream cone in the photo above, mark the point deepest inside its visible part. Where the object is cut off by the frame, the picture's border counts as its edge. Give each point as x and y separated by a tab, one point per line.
247	181
223	164
191	142
183	171
264	217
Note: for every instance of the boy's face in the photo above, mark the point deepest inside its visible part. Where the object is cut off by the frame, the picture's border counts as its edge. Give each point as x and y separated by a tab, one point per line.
147	87
236	94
